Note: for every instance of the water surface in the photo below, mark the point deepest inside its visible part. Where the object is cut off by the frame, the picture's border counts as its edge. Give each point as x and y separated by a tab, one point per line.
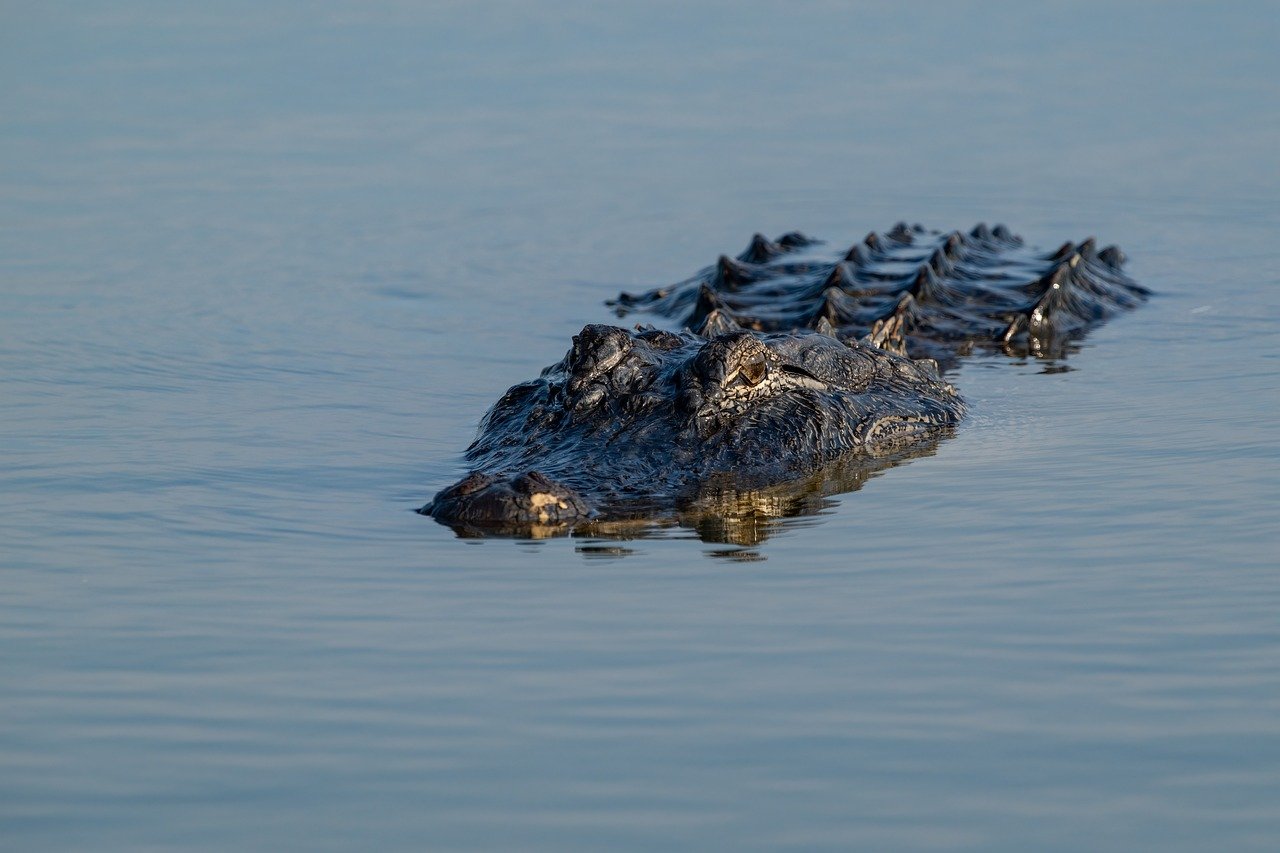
263	269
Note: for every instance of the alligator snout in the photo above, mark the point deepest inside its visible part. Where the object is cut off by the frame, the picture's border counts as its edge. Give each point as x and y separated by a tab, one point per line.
531	498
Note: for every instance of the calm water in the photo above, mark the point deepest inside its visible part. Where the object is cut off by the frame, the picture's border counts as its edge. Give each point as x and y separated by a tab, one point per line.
262	270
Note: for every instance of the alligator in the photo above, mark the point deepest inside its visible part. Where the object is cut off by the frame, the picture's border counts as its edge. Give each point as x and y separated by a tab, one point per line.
787	363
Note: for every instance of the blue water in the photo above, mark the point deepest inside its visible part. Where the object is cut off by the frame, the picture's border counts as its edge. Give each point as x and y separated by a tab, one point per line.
263	268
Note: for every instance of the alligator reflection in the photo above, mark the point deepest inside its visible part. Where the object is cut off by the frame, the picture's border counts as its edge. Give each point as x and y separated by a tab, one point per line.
723	510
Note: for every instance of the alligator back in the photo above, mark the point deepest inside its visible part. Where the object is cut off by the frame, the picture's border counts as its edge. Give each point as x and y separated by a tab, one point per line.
910	290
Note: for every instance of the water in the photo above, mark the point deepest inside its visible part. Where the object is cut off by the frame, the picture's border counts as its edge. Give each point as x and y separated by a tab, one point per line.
263	269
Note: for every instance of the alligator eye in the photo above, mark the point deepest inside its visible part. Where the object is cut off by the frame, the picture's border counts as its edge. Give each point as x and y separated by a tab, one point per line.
753	371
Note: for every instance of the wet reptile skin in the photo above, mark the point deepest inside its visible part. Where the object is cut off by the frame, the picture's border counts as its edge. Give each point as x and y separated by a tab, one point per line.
790	360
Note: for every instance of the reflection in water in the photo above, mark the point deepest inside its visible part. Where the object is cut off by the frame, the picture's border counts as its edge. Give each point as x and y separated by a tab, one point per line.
738	555
604	552
724	509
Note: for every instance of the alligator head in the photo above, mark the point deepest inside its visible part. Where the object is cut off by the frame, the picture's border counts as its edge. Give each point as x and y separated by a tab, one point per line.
633	422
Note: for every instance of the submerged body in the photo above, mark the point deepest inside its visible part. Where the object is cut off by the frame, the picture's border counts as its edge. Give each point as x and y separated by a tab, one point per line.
788	363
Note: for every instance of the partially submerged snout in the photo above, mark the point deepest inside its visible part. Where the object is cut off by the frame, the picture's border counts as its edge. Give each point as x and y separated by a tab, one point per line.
528	498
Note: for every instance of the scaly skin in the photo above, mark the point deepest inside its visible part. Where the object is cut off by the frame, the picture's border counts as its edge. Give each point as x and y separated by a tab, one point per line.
917	292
